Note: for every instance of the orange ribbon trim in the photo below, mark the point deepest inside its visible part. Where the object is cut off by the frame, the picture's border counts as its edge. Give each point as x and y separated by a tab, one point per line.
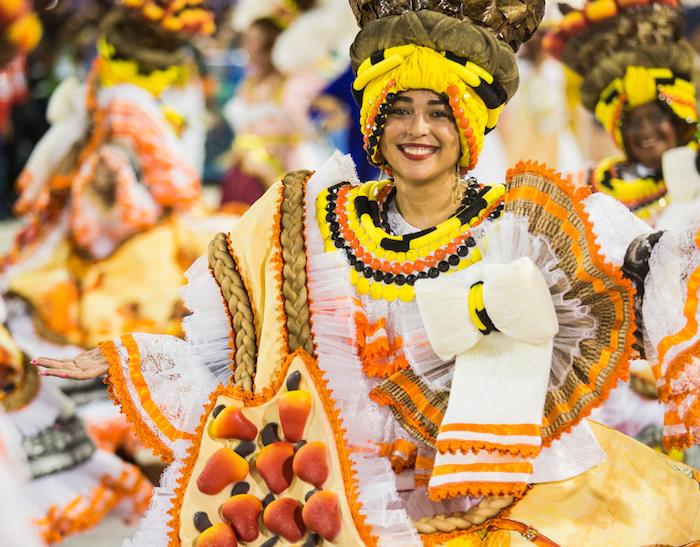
531	430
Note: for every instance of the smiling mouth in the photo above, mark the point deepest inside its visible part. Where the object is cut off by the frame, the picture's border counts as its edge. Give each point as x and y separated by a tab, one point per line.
650	143
418	151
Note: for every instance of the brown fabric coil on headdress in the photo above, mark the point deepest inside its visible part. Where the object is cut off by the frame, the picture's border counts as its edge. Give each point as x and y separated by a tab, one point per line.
512	21
149	45
679	57
434	30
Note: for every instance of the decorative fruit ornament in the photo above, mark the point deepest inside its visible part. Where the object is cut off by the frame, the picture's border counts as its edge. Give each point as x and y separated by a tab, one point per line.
224	467
294	410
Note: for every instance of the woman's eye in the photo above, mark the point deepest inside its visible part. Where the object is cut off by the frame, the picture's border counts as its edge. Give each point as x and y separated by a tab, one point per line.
398	111
440	114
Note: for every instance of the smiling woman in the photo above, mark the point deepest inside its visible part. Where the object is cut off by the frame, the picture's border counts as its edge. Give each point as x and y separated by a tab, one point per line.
637	79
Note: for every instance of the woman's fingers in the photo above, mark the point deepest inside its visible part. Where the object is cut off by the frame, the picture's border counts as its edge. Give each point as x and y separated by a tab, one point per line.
51	363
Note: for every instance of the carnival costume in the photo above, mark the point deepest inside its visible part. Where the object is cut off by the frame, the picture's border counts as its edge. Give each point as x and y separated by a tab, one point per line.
630	54
365	382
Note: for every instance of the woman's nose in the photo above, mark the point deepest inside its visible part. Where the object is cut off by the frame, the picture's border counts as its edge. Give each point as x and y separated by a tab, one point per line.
418	126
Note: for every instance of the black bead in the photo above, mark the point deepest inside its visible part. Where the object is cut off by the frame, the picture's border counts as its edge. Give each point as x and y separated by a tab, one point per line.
268	499
330	217
334	226
339	243
471	193
433	273
422	275
269	434
443	266
368	272
379	119
470	242
400	280
379	131
245	448
378	276
383	108
462	250
411	279
359	265
218	410
373	141
330	207
390	97
240	488
293	381
388	278
453	260
274	540
201	521
333	190
352	259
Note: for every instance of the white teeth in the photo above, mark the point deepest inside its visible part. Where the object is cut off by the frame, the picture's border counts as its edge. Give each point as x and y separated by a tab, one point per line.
418	150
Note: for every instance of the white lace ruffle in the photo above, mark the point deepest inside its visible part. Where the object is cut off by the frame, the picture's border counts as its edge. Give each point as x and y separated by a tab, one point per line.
507	240
207	329
613	225
673	259
331	297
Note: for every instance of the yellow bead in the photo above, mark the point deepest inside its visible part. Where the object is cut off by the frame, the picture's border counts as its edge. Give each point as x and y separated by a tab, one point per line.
411	256
371	246
400	257
379	252
390	292
354	276
406	293
375	291
362	285
390	256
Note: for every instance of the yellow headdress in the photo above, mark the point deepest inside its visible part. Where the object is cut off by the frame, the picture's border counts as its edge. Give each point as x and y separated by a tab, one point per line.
628	53
457	50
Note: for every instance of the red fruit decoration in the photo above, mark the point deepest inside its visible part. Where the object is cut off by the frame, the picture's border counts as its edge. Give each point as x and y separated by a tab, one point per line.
230	423
224	467
294	409
311	463
321	514
219	535
242	512
274	463
283	518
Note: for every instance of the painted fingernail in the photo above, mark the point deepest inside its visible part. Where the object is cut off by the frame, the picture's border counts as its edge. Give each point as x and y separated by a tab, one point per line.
63	375
33	361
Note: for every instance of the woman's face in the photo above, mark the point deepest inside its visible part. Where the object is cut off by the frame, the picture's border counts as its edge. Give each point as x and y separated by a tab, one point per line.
257	43
648	132
420	141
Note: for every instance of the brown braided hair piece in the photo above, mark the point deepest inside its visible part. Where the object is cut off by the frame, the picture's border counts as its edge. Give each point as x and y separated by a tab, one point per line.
223	264
487	509
294	291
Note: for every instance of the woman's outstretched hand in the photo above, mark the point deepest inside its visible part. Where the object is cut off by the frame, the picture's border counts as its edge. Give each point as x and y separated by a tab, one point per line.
86	366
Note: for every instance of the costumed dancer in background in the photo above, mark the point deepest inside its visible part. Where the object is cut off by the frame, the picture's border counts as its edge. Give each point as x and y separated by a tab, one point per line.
73	484
270	111
20	31
111	197
637	79
413	359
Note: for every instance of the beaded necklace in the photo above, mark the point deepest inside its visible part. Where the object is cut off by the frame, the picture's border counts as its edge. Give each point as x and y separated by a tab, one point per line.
386	266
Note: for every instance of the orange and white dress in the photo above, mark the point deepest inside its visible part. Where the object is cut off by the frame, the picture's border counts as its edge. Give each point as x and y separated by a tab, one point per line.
352	380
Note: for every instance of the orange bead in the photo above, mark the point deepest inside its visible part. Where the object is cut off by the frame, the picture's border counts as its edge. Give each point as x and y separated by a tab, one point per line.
464	123
451	248
419	265
469	132
385	267
440	254
452	89
454	101
374	264
396	268
430	261
458	112
407	267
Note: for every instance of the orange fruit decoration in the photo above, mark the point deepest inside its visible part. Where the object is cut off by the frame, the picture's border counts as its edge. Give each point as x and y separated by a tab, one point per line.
230	423
224	467
283	518
219	535
321	514
274	463
294	410
242	512
311	463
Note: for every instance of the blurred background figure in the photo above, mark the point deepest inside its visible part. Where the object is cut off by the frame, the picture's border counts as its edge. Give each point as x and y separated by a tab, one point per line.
285	73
